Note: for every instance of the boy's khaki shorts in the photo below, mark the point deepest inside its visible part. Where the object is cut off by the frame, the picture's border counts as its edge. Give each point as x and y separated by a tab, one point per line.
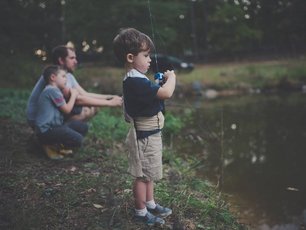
150	155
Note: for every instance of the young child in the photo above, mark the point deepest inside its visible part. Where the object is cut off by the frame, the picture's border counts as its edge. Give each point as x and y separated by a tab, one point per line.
52	132
143	105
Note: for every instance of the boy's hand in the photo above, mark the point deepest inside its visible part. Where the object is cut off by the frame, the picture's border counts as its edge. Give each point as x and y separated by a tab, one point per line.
168	74
66	92
74	92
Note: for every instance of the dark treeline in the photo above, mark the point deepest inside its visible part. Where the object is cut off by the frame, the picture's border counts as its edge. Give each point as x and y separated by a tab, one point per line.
199	29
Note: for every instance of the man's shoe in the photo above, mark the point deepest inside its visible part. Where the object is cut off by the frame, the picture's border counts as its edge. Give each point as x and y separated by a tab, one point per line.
150	219
160	211
65	152
52	152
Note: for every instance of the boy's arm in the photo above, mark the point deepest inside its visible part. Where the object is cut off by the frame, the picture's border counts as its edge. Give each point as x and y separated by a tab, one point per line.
67	107
166	91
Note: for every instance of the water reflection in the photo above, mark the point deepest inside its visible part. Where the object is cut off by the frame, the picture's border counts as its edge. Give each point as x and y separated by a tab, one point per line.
259	143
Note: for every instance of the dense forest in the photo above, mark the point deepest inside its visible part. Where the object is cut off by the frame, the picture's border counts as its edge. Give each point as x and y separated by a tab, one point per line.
198	29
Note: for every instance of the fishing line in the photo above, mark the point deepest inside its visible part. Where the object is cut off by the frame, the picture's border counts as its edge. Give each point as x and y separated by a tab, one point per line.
163	43
153	34
159	77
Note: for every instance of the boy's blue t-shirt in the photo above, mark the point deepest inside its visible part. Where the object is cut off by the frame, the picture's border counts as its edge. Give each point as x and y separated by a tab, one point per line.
48	114
140	95
32	105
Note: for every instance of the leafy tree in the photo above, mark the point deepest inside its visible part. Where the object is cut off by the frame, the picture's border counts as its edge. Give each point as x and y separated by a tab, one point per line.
179	27
102	19
229	29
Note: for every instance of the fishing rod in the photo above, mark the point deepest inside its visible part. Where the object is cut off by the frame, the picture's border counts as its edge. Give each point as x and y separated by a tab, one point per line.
158	76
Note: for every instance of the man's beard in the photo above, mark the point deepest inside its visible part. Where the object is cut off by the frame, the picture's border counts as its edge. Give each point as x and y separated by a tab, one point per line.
69	70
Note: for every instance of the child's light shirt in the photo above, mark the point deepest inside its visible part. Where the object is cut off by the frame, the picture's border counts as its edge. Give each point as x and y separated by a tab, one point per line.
48	114
32	105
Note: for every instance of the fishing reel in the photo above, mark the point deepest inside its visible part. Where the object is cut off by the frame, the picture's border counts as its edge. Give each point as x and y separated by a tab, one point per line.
159	78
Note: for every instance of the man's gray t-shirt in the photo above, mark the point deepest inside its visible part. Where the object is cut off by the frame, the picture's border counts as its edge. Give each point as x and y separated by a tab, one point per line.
32	105
48	114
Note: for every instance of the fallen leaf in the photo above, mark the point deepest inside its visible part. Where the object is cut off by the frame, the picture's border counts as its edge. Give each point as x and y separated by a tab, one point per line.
293	189
127	190
72	169
40	184
97	206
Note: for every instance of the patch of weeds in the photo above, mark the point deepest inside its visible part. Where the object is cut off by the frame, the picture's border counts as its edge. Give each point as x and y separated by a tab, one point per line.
193	200
108	126
298	73
92	190
13	104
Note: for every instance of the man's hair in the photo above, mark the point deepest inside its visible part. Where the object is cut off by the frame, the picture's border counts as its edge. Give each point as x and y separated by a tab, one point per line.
50	70
132	41
60	52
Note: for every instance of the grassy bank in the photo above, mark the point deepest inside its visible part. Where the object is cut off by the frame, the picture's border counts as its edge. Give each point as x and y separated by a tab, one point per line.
239	76
242	77
92	190
249	75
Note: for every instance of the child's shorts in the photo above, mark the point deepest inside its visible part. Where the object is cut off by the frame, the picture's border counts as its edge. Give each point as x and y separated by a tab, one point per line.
150	155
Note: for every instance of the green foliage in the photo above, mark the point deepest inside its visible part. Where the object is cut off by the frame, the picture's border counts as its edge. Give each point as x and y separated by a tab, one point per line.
173	124
110	16
13	104
93	186
179	27
298	73
230	31
193	198
19	71
108	125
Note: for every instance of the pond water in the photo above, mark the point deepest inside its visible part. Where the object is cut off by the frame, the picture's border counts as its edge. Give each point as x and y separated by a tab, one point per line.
255	147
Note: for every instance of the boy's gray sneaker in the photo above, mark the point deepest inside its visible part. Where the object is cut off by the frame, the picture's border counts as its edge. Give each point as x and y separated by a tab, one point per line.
160	211
150	219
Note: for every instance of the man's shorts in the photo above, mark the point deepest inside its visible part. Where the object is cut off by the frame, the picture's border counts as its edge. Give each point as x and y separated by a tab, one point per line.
150	155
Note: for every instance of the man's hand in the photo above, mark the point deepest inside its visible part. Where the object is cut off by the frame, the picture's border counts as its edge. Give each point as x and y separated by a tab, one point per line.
115	101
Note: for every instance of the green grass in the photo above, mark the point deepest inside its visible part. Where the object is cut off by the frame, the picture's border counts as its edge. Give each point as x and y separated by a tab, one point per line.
93	190
220	76
13	104
247	74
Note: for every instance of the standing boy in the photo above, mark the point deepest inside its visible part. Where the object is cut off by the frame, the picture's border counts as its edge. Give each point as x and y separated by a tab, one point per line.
143	106
50	128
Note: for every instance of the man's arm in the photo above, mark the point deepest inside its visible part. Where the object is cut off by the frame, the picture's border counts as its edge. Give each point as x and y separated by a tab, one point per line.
83	92
92	101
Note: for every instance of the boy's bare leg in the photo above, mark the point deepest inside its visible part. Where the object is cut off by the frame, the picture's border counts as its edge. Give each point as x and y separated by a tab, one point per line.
142	191
150	190
86	114
139	191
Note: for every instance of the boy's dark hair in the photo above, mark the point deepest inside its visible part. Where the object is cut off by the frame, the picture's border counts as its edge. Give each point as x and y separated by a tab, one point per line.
60	52
49	70
132	41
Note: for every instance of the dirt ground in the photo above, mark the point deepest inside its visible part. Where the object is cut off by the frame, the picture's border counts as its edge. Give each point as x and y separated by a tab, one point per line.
87	191
37	193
